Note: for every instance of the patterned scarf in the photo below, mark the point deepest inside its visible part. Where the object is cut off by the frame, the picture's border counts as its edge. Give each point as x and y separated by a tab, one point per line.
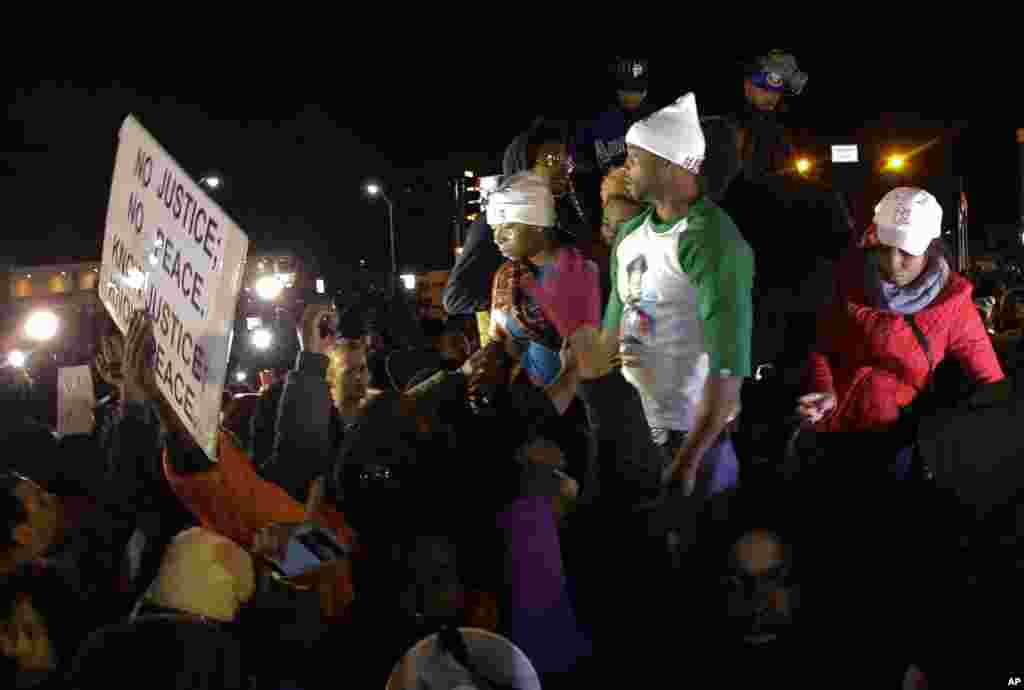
912	298
510	297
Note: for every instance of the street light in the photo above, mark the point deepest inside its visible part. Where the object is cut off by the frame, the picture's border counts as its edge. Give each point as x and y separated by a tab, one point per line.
895	162
42	325
269	288
240	376
803	165
17	358
374	190
409	280
212	180
262	338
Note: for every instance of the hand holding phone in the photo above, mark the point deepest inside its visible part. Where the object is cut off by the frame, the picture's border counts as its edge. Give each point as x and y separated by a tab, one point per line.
296	549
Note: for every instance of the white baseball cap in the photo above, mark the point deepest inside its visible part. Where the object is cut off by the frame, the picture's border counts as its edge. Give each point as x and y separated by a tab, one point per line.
908	218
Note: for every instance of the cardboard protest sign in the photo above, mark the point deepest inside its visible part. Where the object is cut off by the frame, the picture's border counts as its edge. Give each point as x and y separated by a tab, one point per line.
76	400
171	250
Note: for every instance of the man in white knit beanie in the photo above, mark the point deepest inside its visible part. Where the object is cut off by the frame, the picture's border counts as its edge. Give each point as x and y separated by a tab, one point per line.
681	301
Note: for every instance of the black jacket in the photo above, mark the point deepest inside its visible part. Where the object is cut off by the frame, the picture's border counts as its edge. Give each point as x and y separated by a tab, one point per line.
296	429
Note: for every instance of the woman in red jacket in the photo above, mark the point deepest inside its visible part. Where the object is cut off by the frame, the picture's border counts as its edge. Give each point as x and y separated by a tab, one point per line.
894	295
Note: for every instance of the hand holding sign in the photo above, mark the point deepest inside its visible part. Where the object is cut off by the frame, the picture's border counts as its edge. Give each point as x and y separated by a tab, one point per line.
139	378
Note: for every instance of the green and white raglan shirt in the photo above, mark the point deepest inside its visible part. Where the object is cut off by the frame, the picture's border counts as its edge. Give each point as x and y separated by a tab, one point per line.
681	301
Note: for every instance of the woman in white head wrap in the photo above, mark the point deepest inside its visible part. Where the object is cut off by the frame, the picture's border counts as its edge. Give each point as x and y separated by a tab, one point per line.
522	213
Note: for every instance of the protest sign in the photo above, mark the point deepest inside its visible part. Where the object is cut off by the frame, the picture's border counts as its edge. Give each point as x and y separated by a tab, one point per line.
171	250
76	401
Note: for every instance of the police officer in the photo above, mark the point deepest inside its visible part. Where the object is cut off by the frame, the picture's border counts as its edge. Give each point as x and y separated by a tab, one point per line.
751	140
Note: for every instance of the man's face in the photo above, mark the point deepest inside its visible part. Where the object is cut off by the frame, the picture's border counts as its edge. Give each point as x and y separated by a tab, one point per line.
759	598
762	99
44	524
347	373
641	174
553	165
616	212
518	241
631	100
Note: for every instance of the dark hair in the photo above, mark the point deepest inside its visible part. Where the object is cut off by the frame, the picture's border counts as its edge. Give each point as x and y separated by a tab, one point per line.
730	516
543	132
12	508
939	247
173	652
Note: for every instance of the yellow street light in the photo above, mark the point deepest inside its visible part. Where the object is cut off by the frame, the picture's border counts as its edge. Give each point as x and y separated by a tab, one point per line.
803	166
895	162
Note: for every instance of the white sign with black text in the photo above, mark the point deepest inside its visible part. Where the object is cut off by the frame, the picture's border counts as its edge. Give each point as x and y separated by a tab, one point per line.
76	401
171	250
845	154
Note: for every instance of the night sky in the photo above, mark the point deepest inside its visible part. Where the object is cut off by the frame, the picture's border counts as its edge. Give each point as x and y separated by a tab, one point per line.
295	154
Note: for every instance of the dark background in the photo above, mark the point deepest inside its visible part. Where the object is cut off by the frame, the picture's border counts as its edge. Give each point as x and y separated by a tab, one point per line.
295	152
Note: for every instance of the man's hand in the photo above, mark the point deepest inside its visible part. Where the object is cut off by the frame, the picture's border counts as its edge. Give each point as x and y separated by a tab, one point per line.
25	639
139	381
110	360
484	367
597	352
332	580
719	405
309	328
271	542
683	469
814	407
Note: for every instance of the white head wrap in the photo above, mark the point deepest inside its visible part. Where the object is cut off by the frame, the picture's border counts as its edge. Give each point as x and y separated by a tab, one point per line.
524	198
673	133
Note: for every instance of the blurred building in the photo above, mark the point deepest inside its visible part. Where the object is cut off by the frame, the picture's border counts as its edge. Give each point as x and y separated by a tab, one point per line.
68	291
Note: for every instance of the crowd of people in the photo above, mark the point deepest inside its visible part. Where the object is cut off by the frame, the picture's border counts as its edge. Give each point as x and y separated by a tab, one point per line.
547	490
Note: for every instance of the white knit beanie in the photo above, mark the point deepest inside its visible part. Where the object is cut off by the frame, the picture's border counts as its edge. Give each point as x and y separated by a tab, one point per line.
523	198
673	133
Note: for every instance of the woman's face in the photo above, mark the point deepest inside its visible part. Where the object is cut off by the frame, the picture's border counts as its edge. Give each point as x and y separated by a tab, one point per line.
898	267
616	212
518	241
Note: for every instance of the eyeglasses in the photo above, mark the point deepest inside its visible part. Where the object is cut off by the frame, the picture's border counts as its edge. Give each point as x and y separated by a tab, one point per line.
553	160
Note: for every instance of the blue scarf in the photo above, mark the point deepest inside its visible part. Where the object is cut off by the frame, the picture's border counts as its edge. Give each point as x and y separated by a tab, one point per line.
911	298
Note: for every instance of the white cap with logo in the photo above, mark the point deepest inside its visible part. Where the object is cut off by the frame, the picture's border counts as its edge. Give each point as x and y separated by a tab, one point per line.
909	219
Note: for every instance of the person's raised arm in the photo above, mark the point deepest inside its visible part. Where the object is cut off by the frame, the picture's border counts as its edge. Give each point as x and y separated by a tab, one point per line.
468	289
302	427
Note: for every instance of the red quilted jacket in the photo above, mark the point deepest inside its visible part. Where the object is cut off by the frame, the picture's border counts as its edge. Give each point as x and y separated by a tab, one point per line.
871	360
